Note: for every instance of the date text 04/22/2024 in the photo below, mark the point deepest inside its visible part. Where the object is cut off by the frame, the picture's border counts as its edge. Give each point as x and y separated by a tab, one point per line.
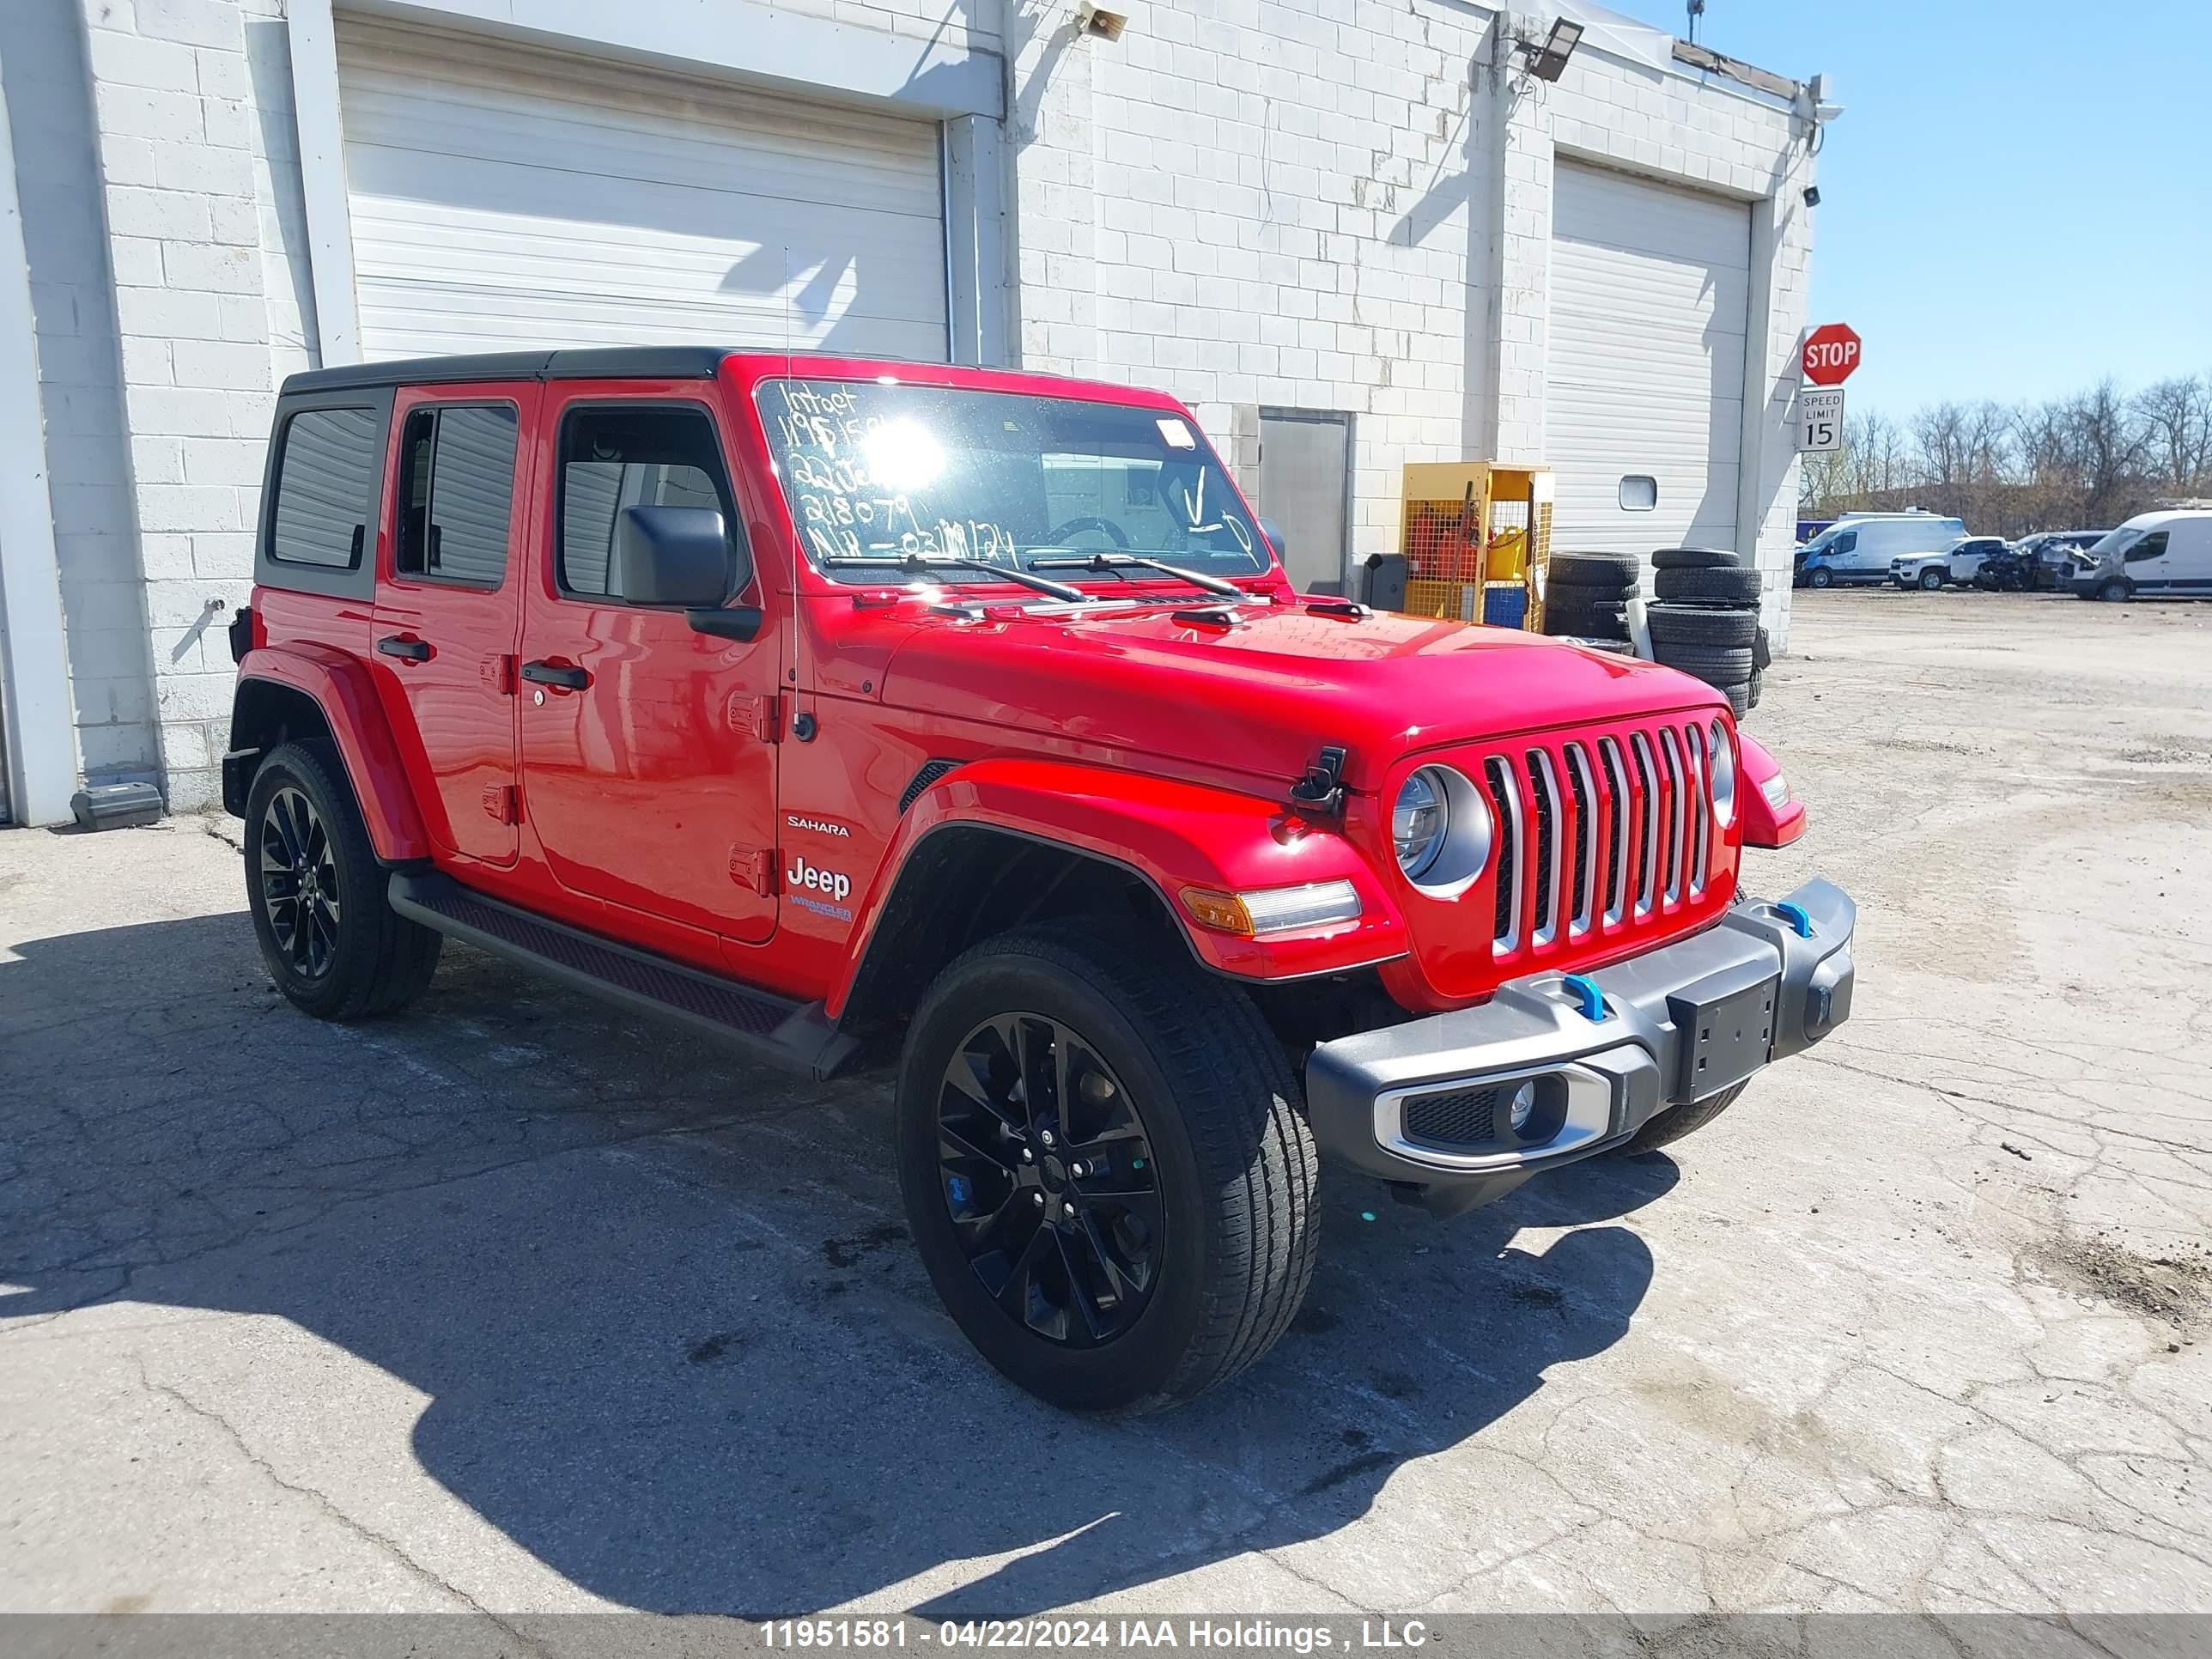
1098	1635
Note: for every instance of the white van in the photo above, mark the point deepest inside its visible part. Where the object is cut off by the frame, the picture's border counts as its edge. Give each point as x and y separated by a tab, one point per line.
1859	546
2155	554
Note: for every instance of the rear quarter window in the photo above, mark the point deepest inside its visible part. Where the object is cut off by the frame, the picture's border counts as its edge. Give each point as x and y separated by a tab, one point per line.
326	466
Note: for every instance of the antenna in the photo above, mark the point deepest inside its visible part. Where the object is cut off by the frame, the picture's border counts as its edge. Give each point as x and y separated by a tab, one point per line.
1697	10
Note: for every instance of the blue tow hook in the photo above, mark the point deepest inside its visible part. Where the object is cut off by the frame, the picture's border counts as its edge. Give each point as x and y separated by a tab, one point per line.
1586	992
1795	916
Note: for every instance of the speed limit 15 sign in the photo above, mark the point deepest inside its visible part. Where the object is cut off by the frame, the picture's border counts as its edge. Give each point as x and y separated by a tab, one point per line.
1820	419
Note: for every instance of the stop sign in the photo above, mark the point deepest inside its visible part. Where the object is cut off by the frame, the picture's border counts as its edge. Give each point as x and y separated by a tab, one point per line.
1831	352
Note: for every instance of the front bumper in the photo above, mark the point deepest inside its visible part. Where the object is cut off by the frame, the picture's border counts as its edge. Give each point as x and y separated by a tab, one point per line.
1424	1105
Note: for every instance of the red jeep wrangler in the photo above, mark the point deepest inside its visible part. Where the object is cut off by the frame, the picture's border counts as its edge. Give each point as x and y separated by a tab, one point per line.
798	701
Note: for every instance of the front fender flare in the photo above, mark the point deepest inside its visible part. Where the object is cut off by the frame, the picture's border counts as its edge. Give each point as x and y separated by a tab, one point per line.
1171	835
339	685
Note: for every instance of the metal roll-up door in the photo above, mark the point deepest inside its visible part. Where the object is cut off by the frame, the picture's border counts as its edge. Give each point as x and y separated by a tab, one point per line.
1644	400
504	198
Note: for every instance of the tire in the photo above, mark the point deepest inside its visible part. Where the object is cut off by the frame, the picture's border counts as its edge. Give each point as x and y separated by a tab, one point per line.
352	960
2115	591
1733	585
1188	1060
1740	698
1600	622
1608	573
1715	665
1694	558
1690	624
1820	577
1671	1125
1933	581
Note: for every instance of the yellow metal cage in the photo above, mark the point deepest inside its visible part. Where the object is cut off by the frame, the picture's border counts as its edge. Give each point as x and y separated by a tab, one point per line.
1477	539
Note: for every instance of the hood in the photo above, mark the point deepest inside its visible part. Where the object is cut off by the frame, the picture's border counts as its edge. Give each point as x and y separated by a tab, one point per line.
1262	698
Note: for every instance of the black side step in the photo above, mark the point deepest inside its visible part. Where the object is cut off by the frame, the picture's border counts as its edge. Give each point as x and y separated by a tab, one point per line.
766	1026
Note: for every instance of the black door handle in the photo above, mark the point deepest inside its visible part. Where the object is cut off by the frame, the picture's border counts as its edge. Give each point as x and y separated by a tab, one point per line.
407	650
554	673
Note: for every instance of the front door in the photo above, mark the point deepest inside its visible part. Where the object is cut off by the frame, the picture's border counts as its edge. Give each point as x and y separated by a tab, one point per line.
649	747
449	607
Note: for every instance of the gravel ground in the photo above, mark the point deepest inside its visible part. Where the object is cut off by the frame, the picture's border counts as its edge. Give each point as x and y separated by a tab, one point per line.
510	1305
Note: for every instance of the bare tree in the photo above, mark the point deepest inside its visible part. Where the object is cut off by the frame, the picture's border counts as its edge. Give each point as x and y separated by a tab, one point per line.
2177	414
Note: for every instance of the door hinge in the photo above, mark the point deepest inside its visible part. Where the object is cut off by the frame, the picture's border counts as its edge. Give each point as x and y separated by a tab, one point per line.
502	803
499	674
754	868
760	716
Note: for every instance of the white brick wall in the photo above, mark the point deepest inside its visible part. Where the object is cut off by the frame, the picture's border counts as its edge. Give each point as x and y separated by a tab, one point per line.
200	197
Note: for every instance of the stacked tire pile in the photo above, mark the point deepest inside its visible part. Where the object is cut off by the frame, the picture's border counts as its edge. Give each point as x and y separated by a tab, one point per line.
1586	595
1705	620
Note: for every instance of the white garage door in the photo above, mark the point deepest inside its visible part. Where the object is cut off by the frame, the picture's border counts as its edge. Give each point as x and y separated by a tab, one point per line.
1644	399
507	198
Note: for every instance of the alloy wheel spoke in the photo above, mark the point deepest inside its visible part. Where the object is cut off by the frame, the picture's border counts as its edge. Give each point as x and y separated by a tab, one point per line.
1014	1295
1126	1287
954	1144
1141	1206
1079	1293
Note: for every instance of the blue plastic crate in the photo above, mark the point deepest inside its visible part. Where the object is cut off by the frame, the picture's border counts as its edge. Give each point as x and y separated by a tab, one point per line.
1505	604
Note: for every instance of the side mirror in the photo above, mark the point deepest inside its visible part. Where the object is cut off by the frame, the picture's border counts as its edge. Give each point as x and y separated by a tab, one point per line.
1274	532
672	556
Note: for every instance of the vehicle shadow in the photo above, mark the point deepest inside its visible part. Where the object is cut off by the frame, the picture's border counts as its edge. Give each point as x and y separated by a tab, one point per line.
672	1339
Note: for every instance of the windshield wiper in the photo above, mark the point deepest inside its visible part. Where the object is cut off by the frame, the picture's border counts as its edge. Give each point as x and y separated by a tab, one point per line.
917	564
1101	563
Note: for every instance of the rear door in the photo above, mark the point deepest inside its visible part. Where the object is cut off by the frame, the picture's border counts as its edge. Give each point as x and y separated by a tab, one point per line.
449	607
649	748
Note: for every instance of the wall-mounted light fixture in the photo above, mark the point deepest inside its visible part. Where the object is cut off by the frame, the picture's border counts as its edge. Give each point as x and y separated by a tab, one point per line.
1548	60
1097	20
1811	196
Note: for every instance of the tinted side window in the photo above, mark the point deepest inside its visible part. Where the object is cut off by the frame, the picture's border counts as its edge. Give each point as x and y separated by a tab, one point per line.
1844	542
615	456
2150	547
327	464
457	493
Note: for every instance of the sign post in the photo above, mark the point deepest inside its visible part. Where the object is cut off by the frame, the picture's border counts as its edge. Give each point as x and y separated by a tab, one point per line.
1830	353
1820	419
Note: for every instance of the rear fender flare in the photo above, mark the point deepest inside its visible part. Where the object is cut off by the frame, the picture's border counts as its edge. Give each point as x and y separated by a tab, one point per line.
340	686
1171	835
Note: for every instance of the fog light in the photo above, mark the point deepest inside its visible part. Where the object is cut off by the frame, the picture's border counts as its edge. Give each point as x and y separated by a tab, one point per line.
1524	1102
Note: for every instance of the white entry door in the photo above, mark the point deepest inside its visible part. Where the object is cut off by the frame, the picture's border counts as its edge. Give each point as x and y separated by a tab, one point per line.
1644	409
507	198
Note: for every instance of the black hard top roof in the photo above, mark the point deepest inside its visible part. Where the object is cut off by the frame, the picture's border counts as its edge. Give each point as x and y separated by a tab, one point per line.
607	363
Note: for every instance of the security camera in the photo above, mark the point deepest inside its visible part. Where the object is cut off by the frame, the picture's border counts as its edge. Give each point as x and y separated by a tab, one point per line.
1097	20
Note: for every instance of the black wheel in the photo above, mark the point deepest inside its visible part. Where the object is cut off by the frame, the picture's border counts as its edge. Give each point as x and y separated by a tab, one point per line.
1676	1121
331	941
1694	558
1695	624
1715	665
2115	591
1733	585
1932	580
1105	1165
1820	576
1610	574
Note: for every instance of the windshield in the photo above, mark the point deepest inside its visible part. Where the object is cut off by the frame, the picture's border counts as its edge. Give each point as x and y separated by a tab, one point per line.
2115	542
878	473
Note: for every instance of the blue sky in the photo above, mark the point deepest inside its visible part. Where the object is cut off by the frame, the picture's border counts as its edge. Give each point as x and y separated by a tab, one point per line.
2018	199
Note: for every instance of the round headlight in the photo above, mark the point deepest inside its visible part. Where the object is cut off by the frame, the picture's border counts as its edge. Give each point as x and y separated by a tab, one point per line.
1440	829
1723	761
1418	824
